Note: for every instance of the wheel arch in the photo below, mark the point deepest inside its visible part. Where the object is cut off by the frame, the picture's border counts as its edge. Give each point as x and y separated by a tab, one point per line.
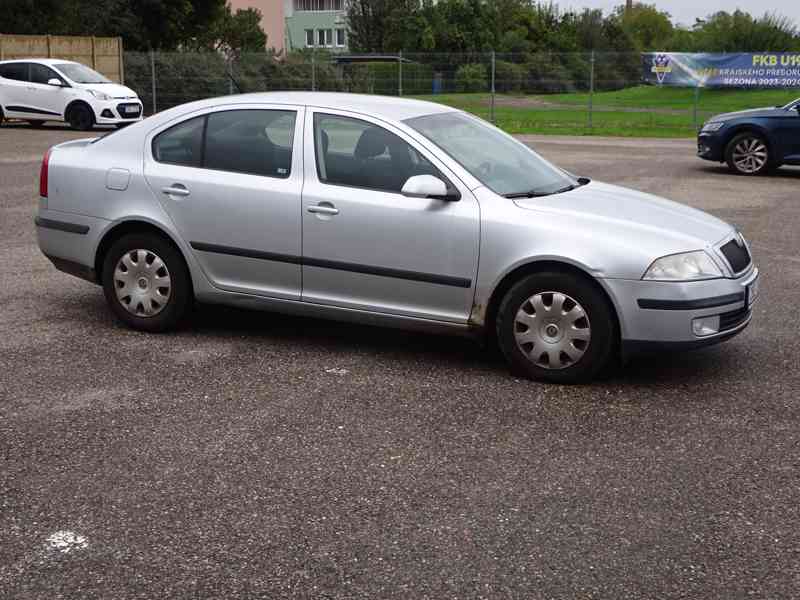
123	228
760	131
540	266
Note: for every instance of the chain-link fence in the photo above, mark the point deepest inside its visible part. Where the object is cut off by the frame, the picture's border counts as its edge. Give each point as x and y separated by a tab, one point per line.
601	93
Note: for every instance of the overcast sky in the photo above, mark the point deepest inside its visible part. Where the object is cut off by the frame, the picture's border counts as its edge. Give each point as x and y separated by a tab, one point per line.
685	11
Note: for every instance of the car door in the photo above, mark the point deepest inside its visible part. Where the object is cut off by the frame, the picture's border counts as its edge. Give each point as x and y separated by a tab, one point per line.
230	180
47	100
16	94
789	134
367	246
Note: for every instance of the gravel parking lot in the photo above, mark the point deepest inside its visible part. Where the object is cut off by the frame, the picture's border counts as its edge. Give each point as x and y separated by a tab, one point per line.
261	456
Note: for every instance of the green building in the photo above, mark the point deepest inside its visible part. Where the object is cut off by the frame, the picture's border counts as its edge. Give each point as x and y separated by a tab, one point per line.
316	24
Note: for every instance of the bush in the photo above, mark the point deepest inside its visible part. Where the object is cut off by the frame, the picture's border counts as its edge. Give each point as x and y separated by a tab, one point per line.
472	78
509	77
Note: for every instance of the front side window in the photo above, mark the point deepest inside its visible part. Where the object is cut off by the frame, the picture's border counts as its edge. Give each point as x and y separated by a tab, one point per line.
494	158
357	153
14	71
42	74
81	73
256	142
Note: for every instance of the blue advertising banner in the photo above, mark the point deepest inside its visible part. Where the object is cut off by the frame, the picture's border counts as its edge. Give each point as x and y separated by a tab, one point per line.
764	70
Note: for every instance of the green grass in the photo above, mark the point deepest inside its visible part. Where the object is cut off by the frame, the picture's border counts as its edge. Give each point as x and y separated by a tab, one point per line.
643	111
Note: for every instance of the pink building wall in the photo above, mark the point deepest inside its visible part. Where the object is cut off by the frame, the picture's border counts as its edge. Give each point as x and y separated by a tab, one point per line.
272	19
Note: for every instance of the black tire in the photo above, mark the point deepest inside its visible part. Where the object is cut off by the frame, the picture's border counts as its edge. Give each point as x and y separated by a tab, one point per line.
180	296
37	124
81	117
597	353
761	151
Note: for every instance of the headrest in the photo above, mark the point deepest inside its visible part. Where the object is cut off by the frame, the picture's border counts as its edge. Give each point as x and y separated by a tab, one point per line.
372	143
325	141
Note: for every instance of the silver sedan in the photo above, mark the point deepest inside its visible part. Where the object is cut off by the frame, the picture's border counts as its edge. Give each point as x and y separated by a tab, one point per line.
393	212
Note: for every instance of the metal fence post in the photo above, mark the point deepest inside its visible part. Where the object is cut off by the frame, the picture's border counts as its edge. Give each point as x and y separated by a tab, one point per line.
696	100
230	75
494	68
313	72
591	91
153	79
400	74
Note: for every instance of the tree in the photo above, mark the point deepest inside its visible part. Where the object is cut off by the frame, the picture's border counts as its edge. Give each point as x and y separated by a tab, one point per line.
648	27
235	33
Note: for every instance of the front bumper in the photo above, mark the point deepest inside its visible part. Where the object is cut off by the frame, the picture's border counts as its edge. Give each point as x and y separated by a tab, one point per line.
659	315
710	146
116	111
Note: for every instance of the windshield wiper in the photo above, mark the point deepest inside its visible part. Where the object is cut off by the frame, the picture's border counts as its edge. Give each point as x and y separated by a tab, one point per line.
538	194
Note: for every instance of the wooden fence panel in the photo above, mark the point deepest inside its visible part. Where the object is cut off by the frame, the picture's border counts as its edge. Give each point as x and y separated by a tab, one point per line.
102	54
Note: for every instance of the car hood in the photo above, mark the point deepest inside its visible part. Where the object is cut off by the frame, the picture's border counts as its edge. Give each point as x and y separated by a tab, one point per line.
635	217
769	111
114	90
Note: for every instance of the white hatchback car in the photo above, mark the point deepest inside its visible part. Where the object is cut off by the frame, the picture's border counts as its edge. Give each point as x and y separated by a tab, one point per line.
39	90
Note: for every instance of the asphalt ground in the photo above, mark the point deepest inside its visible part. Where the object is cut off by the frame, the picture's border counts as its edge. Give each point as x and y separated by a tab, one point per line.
254	455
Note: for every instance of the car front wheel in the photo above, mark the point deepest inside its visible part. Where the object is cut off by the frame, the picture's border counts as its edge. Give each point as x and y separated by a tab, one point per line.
146	282
81	118
556	327
748	154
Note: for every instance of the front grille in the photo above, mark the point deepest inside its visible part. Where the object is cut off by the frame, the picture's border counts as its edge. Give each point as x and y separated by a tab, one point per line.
733	319
737	256
124	114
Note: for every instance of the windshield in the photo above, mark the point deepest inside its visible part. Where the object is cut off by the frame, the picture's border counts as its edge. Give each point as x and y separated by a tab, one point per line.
792	104
80	73
497	160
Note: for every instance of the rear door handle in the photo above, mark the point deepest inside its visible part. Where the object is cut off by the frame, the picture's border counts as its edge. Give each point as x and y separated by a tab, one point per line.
176	189
323	210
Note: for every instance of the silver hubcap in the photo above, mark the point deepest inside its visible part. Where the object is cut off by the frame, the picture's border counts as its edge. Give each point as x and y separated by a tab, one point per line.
750	155
142	283
552	330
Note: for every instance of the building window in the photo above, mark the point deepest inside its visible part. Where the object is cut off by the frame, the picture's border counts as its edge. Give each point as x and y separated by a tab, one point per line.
320	37
340	37
318	5
329	37
309	38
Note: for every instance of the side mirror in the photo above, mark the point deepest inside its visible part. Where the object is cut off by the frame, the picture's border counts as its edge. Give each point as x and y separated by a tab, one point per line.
428	186
55	82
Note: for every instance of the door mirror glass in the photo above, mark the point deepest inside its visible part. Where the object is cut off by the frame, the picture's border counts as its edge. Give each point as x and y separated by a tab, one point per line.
55	82
427	186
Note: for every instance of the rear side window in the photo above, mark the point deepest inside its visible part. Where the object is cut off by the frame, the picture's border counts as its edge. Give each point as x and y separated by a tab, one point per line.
357	153
15	71
182	144
257	142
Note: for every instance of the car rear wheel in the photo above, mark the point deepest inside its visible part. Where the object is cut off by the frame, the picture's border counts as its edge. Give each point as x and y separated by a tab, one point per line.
556	327
748	154
81	117
146	282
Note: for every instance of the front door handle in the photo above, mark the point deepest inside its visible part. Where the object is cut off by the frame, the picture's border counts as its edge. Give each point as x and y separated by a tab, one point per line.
323	209
176	189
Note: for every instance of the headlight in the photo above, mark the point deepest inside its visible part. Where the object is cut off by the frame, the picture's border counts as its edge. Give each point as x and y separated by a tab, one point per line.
100	95
713	126
689	266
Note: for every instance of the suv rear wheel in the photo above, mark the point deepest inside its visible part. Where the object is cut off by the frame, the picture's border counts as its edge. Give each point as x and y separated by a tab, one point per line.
748	154
146	282
556	327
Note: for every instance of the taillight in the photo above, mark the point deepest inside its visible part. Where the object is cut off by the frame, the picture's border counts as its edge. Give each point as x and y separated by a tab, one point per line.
43	174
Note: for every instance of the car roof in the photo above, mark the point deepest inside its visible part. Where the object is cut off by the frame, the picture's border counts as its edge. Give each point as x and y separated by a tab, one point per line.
386	107
43	61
